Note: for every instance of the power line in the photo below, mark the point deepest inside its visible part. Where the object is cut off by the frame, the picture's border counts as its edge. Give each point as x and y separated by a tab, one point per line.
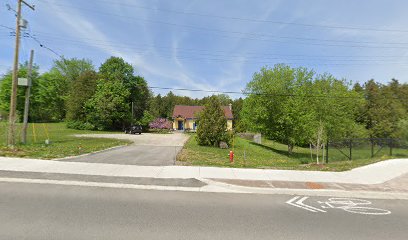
266	94
264	60
238	58
374	29
43	46
27	34
129	46
254	36
234	57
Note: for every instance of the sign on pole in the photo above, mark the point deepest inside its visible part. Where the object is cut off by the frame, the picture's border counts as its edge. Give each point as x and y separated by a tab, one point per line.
23	82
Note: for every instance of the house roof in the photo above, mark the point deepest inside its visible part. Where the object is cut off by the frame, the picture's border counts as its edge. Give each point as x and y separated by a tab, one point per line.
191	111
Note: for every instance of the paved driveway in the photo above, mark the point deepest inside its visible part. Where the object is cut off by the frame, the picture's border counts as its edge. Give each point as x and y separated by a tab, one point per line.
147	150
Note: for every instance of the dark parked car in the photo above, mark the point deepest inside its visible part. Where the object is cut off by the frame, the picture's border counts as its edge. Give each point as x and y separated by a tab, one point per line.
134	129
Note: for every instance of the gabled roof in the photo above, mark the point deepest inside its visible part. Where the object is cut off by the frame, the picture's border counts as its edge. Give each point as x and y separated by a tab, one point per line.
191	111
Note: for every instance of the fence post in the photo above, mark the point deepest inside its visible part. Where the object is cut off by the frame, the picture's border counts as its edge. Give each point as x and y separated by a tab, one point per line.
327	152
351	146
372	147
390	145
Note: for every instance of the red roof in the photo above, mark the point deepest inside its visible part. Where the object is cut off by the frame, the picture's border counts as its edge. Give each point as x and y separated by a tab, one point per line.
190	111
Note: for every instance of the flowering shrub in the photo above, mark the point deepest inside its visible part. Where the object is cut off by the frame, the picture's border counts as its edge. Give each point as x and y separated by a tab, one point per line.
160	123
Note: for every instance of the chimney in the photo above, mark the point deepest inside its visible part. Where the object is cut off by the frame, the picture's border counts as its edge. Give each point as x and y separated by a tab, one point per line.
230	106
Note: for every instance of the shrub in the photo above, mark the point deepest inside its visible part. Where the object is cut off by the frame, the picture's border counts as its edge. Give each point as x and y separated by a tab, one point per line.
212	124
160	123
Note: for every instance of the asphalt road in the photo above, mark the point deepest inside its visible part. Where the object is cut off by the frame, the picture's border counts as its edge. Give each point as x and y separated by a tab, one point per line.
133	155
147	150
34	211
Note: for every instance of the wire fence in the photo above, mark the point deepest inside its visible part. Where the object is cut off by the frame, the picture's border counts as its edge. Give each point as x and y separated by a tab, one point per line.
363	148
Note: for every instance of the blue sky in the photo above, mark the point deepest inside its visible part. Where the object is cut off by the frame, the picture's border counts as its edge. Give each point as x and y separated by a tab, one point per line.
218	45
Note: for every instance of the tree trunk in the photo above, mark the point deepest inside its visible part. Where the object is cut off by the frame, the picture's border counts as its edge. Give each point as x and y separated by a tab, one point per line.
290	149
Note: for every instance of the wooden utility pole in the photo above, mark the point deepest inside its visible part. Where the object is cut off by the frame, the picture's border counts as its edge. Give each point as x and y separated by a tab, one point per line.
13	98
27	99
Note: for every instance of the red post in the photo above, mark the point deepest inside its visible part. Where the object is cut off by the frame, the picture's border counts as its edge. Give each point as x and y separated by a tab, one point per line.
231	155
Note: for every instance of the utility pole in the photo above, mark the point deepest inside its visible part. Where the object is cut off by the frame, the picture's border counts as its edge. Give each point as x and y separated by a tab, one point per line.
27	98
13	98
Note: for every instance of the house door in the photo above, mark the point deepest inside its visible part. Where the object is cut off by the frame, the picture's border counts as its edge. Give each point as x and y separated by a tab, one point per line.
180	125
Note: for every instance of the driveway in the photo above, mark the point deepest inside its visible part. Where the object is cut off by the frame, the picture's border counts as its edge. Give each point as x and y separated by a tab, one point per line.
147	150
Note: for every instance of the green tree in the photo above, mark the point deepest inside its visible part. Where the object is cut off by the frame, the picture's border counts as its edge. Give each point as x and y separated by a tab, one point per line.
334	107
237	105
48	98
212	124
116	69
117	89
222	98
139	95
5	89
277	105
82	89
108	108
71	69
383	108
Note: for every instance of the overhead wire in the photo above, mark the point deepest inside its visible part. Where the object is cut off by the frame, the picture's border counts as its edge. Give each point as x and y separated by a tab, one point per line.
267	94
374	29
253	36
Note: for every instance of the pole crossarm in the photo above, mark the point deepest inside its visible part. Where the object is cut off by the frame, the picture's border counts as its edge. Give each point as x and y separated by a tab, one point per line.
28	5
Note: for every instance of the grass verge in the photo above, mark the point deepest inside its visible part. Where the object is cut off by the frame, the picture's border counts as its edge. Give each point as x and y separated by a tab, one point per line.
274	155
62	142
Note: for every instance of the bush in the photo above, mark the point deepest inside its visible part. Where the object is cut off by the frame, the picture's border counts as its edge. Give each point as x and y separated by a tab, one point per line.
160	123
146	120
212	125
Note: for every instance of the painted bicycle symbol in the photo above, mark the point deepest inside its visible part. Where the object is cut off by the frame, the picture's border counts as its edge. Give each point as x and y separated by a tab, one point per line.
351	205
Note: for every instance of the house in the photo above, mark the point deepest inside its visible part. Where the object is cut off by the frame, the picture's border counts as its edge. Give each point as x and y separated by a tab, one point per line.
185	117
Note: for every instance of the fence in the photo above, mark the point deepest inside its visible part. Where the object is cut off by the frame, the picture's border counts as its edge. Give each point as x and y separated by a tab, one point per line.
362	148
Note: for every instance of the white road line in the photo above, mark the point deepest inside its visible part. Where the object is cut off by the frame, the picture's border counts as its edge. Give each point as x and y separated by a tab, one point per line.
300	202
290	202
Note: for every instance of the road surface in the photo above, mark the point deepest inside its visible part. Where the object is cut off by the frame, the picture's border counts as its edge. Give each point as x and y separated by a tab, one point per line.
42	211
147	149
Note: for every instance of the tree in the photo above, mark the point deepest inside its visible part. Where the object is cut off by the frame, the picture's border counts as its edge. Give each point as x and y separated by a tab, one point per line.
293	106
156	107
334	107
276	105
212	124
48	98
83	88
139	95
108	108
222	98
5	89
383	108
116	69
117	89
71	69
237	105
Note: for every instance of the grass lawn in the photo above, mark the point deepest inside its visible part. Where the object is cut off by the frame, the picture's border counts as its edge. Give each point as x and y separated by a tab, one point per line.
63	144
273	155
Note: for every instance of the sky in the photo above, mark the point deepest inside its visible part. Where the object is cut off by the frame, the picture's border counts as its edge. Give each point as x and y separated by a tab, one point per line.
217	45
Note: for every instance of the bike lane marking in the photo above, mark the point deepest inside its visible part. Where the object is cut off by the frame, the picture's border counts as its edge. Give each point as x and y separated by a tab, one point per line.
351	205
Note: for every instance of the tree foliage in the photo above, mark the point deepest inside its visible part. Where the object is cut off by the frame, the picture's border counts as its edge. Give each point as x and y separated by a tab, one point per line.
108	108
5	89
212	124
290	105
83	88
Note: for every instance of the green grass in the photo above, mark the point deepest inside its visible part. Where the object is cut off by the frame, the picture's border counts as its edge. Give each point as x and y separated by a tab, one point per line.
274	155
63	143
